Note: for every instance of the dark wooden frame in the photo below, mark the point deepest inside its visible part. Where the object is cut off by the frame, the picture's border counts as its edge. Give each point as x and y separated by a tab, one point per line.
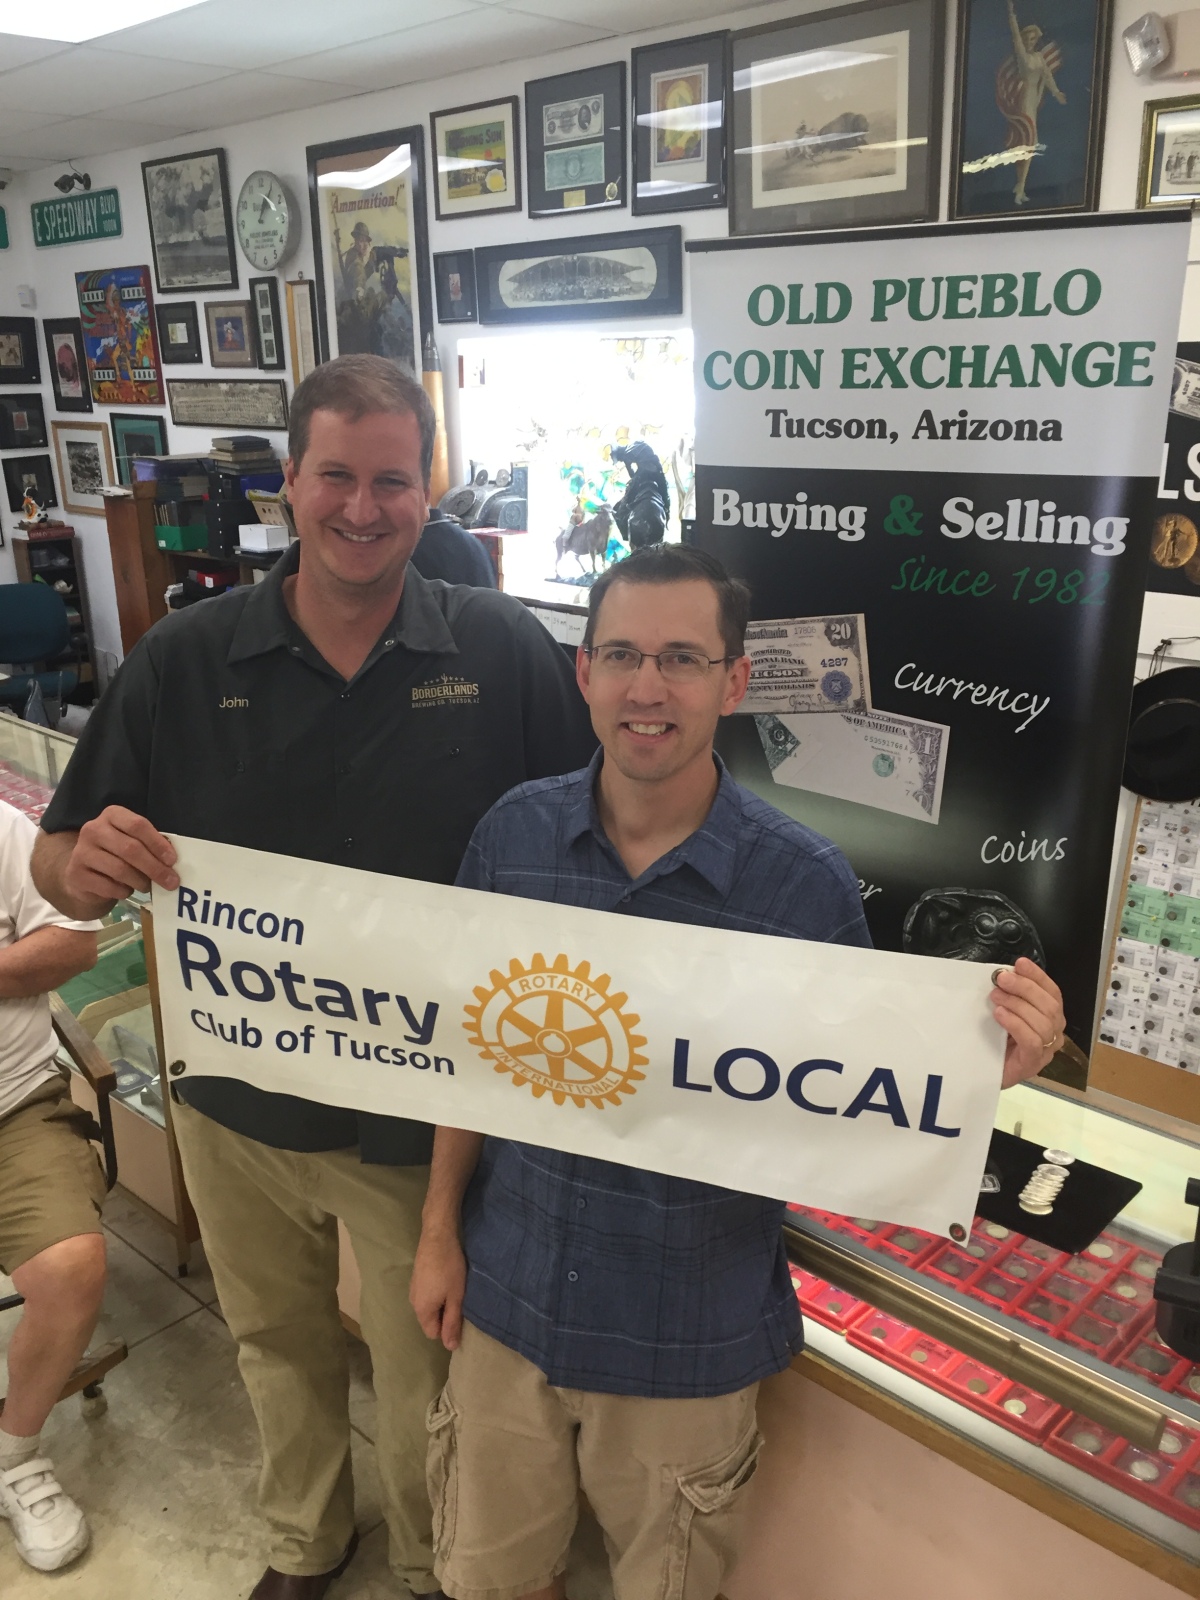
175	311
121	457
227	212
463	262
666	242
918	201
52	328
514	160
9	438
265	339
413	136
713	48
176	386
607	79
13	465
1095	141
30	369
245	359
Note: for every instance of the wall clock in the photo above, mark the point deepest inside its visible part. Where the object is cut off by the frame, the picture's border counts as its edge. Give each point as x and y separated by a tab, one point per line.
268	221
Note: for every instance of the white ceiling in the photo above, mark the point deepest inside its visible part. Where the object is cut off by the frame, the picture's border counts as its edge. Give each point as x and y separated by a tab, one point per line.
227	61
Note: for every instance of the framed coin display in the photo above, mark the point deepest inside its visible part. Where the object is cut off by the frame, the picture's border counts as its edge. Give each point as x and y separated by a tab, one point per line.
264	297
575	141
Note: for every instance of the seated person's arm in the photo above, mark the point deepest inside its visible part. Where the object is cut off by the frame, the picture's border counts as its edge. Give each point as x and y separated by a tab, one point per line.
43	959
439	1275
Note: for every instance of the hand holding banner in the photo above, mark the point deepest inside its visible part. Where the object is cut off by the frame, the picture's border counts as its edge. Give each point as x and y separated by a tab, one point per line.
860	1081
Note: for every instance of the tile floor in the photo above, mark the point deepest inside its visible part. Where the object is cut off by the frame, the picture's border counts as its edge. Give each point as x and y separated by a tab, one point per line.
166	1475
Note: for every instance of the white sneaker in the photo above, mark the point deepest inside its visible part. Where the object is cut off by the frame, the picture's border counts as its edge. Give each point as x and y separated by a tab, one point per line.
49	1526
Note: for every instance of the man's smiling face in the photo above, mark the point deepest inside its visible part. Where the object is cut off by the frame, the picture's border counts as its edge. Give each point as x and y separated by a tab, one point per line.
359	498
652	728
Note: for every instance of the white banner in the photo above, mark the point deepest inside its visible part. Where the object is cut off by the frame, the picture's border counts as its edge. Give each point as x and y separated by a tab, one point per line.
938	350
860	1081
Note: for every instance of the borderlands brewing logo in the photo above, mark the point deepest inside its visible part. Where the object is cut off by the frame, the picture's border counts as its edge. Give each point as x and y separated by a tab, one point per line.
559	1030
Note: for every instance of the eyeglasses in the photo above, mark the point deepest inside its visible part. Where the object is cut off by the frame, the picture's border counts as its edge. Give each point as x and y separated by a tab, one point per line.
676	666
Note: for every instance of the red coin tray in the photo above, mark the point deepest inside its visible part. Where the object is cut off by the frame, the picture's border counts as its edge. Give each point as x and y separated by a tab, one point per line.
1164	1478
1109	1252
1150	1358
821	1301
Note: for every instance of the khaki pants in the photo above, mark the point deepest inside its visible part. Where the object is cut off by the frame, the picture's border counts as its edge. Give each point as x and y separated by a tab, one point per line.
51	1183
268	1219
508	1454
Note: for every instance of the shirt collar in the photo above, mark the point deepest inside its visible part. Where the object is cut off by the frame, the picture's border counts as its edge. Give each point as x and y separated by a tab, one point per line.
710	851
266	624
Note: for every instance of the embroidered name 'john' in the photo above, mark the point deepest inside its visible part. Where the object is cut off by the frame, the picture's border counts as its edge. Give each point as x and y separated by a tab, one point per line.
446	691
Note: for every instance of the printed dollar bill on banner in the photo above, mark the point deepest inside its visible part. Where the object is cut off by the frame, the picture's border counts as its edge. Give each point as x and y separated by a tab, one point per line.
854	1080
1185	388
808	664
894	763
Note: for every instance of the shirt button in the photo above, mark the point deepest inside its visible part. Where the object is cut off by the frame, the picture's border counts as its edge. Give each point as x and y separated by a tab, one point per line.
580	1203
388	643
572	1277
295	649
239	766
347	844
345	695
343	772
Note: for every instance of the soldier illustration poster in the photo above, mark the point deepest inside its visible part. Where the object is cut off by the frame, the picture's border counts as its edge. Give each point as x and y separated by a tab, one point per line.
365	201
119	342
1029	106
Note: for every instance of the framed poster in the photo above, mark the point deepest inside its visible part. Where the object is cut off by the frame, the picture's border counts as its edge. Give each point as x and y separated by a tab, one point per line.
1028	107
454	285
302	327
68	364
32	476
136	435
191	222
178	333
85	466
600	278
230	333
228	403
372	245
836	119
575	140
476	158
679	106
268	329
18	350
119	342
22	422
1169	173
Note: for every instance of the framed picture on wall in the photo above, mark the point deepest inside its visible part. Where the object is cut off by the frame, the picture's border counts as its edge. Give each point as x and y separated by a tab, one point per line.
119	342
85	466
836	119
454	284
679	124
136	435
575	140
230	333
477	158
22	422
268	329
18	351
29	475
302	327
228	403
178	332
372	245
1169	173
1028	107
191	222
68	364
599	278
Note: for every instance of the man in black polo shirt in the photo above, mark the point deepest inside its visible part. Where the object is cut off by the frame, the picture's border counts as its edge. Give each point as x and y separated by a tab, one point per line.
344	710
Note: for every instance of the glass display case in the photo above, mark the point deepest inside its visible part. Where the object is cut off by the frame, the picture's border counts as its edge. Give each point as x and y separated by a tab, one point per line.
1050	1361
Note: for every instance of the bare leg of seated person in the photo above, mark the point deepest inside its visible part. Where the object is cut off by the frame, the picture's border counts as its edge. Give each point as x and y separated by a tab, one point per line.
556	1591
63	1287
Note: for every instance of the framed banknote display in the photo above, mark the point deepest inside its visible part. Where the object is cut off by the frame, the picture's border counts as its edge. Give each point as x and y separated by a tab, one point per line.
836	118
575	141
372	245
477	158
679	97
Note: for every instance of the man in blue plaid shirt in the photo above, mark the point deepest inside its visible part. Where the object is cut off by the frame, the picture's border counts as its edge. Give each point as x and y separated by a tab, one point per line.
610	1326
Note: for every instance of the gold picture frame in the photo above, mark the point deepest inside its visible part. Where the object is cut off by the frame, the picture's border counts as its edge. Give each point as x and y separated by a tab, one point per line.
1169	168
85	466
302	327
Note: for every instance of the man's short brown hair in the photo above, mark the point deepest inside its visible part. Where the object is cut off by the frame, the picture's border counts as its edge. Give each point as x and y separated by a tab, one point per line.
357	386
678	563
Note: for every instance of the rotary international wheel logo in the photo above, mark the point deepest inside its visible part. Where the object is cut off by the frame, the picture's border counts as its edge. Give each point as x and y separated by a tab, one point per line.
559	1030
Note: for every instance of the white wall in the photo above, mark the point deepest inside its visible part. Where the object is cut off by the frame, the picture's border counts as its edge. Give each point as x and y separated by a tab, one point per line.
278	143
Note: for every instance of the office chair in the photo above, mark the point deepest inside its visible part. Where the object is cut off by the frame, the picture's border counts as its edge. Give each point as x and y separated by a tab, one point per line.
101	1079
34	629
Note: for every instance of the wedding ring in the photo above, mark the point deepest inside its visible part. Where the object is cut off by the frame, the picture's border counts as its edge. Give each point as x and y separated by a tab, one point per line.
1052	1042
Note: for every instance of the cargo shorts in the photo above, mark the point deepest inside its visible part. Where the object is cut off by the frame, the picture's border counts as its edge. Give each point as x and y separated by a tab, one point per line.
51	1182
509	1452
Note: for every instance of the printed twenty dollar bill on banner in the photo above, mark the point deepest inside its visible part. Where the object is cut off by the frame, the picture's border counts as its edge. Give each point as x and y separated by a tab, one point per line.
896	764
808	664
854	1080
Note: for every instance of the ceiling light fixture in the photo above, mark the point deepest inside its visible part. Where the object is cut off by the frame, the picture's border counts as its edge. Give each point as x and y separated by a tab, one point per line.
72	21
